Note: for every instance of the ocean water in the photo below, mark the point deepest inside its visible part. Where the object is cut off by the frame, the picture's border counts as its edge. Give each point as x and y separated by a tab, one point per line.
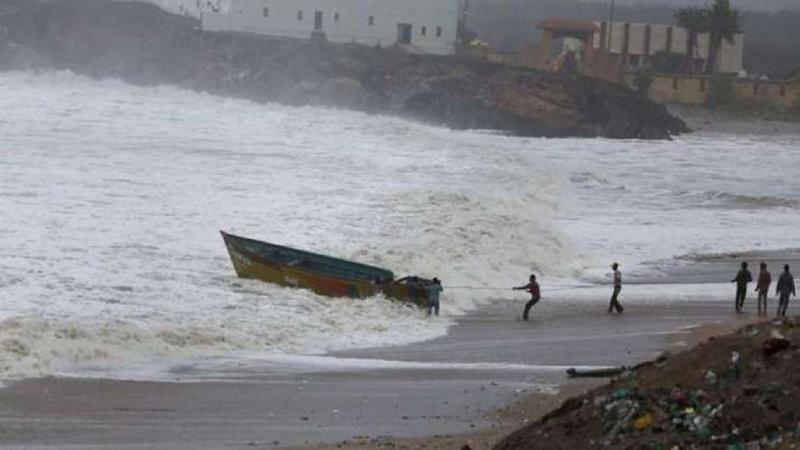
112	198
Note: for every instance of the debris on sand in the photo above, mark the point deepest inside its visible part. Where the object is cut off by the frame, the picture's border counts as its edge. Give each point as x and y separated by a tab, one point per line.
739	391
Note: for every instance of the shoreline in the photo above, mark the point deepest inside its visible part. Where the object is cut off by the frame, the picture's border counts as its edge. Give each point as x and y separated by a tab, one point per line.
530	408
480	377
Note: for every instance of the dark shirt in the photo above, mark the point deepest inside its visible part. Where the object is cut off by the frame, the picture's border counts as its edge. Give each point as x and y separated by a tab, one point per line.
533	288
743	277
786	284
764	280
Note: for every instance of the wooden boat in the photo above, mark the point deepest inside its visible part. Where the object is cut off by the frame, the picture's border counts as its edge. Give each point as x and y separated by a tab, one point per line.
322	274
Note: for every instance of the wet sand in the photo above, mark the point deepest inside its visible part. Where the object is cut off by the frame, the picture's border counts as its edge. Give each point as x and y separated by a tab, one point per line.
445	387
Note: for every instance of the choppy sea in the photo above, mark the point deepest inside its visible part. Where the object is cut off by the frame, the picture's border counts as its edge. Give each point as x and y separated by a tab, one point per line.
112	198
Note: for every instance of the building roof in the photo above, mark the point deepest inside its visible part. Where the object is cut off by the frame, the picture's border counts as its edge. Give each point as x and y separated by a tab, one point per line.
571	25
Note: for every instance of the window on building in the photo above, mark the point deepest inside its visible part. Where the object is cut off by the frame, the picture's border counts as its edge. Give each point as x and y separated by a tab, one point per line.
336	17
423	30
438	31
675	83
404	31
299	15
371	20
266	11
755	88
702	84
783	90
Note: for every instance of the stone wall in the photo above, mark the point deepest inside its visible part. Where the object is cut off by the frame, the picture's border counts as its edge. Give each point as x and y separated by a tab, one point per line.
694	89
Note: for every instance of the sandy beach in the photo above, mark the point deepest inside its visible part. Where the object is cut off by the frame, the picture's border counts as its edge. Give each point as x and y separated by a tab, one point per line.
491	374
531	407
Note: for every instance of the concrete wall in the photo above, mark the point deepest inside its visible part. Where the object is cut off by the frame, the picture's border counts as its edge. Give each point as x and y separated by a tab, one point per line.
693	90
434	23
679	89
779	94
730	58
636	34
680	38
658	39
617	37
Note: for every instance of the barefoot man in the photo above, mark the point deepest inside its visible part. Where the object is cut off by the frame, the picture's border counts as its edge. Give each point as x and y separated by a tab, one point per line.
614	305
784	290
533	288
762	288
741	280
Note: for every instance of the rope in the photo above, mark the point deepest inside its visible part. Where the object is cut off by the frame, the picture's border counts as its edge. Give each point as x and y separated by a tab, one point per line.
473	288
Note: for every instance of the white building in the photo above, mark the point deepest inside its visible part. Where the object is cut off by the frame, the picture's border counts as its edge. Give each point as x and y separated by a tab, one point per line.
638	42
422	26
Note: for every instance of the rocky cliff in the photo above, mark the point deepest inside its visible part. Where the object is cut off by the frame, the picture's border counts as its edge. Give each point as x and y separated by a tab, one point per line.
141	44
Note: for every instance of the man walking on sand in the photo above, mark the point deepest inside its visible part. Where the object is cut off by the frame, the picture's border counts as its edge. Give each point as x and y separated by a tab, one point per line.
614	305
784	289
741	280
533	288
762	287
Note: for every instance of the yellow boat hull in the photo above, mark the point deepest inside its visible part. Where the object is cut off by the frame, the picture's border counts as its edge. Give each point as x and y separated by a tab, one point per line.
322	274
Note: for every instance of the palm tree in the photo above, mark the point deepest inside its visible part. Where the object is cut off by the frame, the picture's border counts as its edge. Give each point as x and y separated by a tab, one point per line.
724	22
695	21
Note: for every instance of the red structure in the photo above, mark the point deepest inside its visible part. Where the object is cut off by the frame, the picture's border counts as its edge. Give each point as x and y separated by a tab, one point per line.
594	62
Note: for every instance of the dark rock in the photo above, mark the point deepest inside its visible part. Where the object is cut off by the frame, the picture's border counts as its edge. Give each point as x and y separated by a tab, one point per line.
342	91
774	345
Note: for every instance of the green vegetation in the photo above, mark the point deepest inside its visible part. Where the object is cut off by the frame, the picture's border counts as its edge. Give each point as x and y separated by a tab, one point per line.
695	20
723	24
720	21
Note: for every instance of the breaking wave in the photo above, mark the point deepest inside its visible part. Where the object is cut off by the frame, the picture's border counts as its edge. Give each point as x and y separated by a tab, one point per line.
727	200
122	261
110	206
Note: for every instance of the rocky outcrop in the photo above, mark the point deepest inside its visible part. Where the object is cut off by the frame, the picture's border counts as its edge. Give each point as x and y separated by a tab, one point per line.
141	44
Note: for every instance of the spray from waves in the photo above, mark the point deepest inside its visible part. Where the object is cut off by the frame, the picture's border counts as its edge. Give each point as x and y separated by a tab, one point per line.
464	240
788	254
728	200
35	346
149	280
474	241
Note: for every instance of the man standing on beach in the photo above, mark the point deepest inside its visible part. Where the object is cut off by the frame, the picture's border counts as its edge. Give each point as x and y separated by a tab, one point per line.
615	305
741	280
533	288
434	289
762	287
784	289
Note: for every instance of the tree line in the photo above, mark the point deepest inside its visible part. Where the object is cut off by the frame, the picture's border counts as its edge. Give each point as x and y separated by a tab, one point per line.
722	23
